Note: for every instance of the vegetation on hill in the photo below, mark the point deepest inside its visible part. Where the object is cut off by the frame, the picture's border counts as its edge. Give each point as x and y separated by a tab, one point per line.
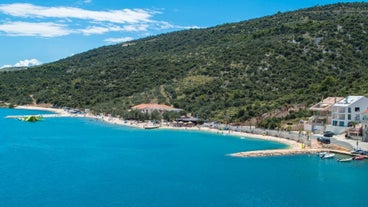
230	72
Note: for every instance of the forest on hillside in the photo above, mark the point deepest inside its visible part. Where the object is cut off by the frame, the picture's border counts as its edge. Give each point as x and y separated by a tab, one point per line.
230	72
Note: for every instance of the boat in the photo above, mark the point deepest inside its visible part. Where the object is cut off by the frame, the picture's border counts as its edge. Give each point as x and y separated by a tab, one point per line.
31	118
360	157
322	154
345	159
151	126
328	156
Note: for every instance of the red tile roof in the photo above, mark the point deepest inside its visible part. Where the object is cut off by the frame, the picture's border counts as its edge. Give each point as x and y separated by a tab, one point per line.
153	107
325	104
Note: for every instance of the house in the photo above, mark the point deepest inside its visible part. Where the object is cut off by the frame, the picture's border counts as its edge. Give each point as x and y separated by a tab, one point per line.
322	112
348	111
149	108
365	125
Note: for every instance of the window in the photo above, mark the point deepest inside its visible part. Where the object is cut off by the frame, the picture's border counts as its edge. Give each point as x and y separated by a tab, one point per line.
334	123
357	109
335	109
341	110
341	123
349	116
349	110
341	116
365	117
357	117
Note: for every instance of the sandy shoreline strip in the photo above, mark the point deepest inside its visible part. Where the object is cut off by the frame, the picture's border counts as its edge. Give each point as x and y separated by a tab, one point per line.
293	146
54	110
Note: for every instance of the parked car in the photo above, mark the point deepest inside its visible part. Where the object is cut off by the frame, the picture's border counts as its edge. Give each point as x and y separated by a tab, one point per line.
365	152
359	152
324	140
328	134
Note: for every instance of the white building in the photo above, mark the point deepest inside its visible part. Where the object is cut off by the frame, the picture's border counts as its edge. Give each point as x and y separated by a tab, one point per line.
365	125
348	110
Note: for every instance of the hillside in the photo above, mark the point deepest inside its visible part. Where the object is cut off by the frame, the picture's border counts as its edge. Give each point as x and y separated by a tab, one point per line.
234	71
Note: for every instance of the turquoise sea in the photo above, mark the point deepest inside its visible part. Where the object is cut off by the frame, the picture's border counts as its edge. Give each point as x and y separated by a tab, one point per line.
67	162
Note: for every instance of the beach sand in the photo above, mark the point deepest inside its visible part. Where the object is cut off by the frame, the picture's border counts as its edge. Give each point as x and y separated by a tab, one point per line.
54	110
294	147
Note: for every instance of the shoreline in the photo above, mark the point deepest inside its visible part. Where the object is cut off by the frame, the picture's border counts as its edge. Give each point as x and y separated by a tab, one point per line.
39	108
292	146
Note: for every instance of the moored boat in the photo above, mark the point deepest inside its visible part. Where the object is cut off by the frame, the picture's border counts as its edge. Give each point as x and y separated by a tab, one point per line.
322	154
345	159
31	118
150	126
328	156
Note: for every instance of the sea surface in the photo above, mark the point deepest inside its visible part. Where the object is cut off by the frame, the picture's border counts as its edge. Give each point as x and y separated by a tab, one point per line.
67	162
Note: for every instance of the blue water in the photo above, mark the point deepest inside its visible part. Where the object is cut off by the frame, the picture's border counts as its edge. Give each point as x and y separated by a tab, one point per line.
61	162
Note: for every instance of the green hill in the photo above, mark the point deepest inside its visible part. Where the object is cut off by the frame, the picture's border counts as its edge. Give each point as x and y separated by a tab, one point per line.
233	71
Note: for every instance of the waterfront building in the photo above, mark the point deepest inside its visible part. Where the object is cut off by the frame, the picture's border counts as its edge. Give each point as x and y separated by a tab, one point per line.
322	113
347	112
365	125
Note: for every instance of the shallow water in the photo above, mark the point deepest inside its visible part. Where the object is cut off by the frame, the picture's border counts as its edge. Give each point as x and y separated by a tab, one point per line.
84	162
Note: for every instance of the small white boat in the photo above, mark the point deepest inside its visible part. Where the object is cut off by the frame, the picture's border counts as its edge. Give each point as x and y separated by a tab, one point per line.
345	159
328	156
322	154
151	126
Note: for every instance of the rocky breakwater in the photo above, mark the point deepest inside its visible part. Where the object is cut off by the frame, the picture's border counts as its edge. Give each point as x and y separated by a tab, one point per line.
292	151
277	152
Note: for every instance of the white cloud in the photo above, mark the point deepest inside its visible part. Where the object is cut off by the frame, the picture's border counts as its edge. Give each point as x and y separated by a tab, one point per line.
115	16
24	63
31	62
118	40
43	29
136	27
94	30
6	66
101	29
23	19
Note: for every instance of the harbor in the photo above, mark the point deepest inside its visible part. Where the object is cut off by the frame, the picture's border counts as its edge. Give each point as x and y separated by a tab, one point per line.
74	155
299	145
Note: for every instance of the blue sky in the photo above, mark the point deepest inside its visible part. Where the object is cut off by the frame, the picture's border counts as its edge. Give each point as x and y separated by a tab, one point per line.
36	32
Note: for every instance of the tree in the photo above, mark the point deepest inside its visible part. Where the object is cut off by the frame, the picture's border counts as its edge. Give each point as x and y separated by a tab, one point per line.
155	115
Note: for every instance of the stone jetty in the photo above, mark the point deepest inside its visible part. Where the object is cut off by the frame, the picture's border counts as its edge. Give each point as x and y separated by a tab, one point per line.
282	152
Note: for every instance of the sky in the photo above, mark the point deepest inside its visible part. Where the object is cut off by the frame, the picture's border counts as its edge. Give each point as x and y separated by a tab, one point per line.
37	31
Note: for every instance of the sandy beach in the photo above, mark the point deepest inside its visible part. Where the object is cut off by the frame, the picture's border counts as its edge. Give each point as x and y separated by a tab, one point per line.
294	147
54	110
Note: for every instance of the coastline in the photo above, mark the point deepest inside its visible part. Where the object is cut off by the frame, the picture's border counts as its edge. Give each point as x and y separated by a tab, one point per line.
294	147
39	108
